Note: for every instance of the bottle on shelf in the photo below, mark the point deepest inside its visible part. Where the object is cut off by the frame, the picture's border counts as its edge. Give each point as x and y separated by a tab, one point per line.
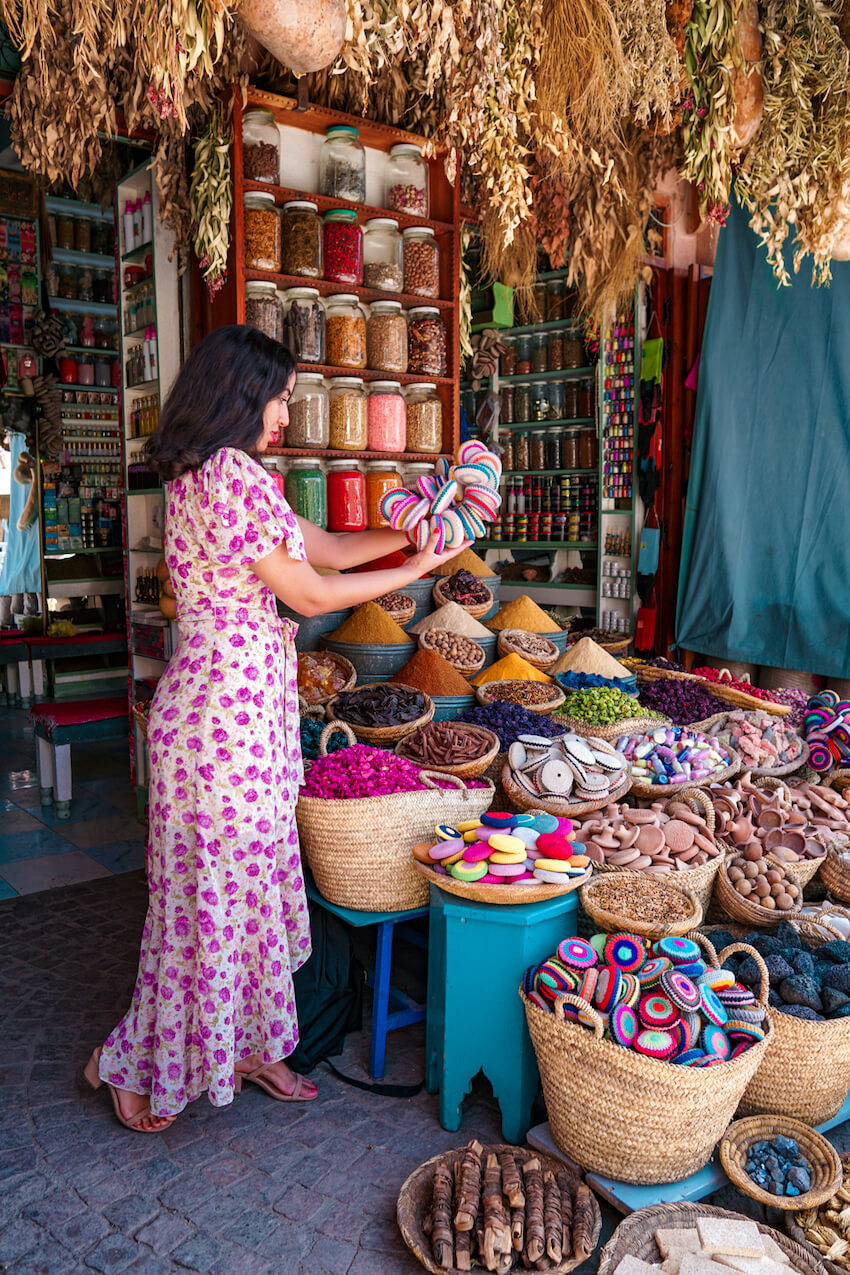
147	374
147	226
154	357
129	229
137	224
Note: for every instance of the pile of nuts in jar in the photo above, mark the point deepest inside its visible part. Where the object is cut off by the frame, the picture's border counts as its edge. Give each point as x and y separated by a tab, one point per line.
463	653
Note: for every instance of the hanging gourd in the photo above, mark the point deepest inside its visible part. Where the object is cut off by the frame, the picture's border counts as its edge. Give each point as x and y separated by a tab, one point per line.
841	244
747	81
303	35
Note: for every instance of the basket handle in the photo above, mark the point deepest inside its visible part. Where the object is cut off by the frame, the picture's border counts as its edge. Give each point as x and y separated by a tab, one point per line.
567	998
330	729
309	710
769	784
759	960
696	936
428	776
696	797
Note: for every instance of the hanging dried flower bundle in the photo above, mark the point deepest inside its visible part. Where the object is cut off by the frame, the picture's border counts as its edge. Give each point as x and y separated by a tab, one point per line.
211	197
712	54
653	69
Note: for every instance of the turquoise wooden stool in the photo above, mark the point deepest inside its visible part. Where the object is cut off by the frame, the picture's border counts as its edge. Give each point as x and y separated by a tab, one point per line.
477	955
73	721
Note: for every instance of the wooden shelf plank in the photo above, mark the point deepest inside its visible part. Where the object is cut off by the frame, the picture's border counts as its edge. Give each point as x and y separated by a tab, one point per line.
324	203
326	289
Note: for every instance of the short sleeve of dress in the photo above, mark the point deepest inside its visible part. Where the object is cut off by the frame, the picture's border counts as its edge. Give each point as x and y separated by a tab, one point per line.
247	514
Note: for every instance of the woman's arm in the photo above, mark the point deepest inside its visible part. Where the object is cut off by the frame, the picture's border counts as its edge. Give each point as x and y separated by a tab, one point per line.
301	589
349	548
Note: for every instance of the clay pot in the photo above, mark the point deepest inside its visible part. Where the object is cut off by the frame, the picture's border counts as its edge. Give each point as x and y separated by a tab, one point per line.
304	35
770	818
742	831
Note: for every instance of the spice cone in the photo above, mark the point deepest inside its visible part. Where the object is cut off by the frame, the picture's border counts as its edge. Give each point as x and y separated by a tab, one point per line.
587	657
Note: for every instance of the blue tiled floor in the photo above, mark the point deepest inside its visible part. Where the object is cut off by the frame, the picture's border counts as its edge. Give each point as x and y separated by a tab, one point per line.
39	851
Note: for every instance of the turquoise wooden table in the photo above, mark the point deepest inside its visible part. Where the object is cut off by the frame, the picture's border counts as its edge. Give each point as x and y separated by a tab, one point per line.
477	955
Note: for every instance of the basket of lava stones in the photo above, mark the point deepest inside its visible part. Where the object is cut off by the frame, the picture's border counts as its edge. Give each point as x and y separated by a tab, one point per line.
467	591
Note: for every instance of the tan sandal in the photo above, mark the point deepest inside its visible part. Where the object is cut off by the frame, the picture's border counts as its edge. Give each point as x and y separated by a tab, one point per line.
257	1077
92	1075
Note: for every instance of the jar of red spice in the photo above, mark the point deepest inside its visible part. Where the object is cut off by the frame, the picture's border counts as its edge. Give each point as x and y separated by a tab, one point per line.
343	247
387	417
346	490
381	477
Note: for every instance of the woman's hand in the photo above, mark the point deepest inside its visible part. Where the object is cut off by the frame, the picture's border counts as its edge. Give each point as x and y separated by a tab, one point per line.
428	559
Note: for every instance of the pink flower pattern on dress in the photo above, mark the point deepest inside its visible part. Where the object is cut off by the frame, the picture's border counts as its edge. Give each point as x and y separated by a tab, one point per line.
227	921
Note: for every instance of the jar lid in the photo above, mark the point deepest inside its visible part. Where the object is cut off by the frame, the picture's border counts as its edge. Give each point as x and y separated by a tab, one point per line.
413	231
344	298
269	463
340	214
312	377
383	465
405	148
301	204
382	223
344	464
340	129
304	462
385	387
389	306
259	285
423	309
258	197
303	293
346	382
420	385
264	117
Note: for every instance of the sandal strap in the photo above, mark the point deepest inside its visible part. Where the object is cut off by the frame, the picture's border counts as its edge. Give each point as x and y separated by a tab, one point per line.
263	1073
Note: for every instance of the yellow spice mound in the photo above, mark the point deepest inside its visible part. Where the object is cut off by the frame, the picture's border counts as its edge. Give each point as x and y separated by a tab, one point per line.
523	613
370	624
512	668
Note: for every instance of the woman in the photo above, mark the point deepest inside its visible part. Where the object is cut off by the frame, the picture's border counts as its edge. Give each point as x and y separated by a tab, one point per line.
227	921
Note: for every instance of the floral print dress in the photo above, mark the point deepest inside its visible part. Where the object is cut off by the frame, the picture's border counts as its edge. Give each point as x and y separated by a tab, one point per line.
227	921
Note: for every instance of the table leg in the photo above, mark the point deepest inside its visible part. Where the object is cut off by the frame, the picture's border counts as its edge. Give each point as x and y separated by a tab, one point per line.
38	679
62	763
381	999
44	762
25	680
13	688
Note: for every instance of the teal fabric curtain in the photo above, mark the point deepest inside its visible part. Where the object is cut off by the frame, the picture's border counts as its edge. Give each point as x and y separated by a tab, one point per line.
765	568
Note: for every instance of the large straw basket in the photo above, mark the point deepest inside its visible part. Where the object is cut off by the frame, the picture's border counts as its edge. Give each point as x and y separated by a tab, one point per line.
628	726
639	1119
819	928
468	670
820	1155
414	1202
468	770
740	909
522	800
649	673
380	735
801	872
641	887
742	700
773	772
358	848
654	791
636	1235
792	1222
477	610
345	667
510	642
488	694
502	894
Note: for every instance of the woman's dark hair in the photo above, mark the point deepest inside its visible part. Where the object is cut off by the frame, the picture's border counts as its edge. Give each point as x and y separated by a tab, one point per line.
218	399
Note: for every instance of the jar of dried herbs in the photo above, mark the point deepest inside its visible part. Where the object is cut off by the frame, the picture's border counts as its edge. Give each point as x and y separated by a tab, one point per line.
508	357
538	450
262	308
67	283
348	423
342	165
345	331
309	416
382	255
586	399
262	231
426	341
574	352
522	454
82	234
304	318
556	292
85	284
421	262
539	304
539	357
571	401
506	405
522	404
508	454
260	147
555	351
65	232
407	180
424	419
386	337
557	394
301	228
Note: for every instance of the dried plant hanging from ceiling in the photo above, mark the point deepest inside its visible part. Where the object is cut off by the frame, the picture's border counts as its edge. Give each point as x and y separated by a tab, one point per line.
712	55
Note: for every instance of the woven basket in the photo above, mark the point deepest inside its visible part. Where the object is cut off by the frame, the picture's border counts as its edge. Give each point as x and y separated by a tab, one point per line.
404	614
510	643
358	849
771	772
640	885
629	726
380	735
503	894
468	670
819	929
792	1222
801	872
653	791
470	769
636	1235
649	673
556	805
345	666
837	779
477	611
820	1155
485	695
141	720
639	1119
835	875
740	909
414	1201
741	700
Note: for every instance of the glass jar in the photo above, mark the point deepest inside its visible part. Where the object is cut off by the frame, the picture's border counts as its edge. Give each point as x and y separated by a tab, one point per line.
508	357
342	245
522	404
556	392
588	448
103	286
573	351
421	262
538	450
304	318
51	278
345	331
82	234
308	412
262	308
342	165
539	356
67	283
381	477
539	302
522	452
569	449
412	471
101	238
65	232
301	231
586	399
426	341
346	497
387	417
382	255
85	284
103	372
523	355
506	405
571	401
407	180
424	419
554	440
85	370
539	401
508	453
386	338
262	231
556	292
260	148
348	422
555	351
304	490
270	466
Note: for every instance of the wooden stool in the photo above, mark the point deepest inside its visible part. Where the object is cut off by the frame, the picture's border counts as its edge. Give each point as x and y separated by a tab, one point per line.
478	953
58	726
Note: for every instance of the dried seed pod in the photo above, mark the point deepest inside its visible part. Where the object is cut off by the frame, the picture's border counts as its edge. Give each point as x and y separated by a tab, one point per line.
442	1242
566	1189
582	1223
463	1239
470	1187
497	1240
535	1236
553	1226
511	1181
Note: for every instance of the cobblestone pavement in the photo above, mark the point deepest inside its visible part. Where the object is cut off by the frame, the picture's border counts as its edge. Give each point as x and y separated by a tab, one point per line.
256	1187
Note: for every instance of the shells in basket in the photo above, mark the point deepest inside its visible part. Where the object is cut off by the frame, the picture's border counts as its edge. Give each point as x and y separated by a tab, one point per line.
570	767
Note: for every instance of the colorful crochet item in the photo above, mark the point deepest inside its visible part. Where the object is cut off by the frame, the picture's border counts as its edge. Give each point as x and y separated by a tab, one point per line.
681	991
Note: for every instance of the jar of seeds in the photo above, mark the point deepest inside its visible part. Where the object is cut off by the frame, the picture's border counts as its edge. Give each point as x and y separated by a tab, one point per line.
348	423
262	308
424	419
308	412
421	262
386	337
382	255
260	147
345	331
304	318
342	165
407	180
301	228
262	231
426	338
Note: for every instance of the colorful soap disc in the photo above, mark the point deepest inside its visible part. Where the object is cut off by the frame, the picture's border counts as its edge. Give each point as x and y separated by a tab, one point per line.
554	846
655	1044
710	1060
524	820
448	848
694	1024
543	822
468	871
453	528
419	535
650	973
624	1025
577	954
477	852
437	526
626	952
506	843
711	1007
498	819
528	979
570	1012
681	991
446	832
746	1014
656	1010
715	1041
587	986
551	878
680	951
587	1016
597	942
